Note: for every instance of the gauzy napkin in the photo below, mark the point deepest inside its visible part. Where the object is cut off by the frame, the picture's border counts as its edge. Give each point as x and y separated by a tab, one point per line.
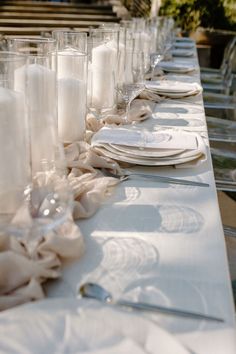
89	185
25	266
139	111
27	263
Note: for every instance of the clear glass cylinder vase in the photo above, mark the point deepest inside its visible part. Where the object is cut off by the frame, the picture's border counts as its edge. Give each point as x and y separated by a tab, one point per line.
14	139
72	71
103	65
37	79
49	198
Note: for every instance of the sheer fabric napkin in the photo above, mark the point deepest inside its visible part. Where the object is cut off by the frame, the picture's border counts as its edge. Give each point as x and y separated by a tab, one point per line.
26	264
24	268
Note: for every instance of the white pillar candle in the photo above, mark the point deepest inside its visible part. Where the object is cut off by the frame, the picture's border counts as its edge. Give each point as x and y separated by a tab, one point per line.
42	110
121	64
70	63
72	95
14	151
142	43
129	78
103	76
71	109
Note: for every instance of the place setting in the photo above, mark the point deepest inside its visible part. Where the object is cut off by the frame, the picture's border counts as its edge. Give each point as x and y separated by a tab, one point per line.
184	44
143	147
173	89
177	67
180	52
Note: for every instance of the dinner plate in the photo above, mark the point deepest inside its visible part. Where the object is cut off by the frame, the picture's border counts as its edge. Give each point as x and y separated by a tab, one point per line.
186	45
132	151
182	53
154	159
176	67
173	87
184	39
81	326
146	161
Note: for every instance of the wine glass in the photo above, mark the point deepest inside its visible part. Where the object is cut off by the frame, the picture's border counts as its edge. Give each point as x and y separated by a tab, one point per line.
155	59
128	92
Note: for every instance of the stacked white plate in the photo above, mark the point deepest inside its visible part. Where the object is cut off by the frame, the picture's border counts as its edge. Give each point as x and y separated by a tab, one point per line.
184	39
176	67
185	45
173	89
143	147
182	52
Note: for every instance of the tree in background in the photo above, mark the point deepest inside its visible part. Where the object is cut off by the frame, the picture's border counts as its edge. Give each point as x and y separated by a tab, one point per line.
190	14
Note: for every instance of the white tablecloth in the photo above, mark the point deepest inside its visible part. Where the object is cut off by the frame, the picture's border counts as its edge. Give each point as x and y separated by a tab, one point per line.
164	244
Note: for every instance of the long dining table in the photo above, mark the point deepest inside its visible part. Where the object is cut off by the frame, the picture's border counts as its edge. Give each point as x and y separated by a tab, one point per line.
154	242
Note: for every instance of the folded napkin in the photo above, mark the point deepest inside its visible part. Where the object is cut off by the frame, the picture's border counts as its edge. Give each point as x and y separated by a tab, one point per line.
25	265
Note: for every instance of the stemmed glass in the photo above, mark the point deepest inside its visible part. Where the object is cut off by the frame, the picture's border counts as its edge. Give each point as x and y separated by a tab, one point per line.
129	91
155	59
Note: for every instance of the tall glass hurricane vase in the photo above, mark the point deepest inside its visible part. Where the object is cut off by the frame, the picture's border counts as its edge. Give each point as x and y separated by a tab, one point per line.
72	72
103	66
14	150
49	200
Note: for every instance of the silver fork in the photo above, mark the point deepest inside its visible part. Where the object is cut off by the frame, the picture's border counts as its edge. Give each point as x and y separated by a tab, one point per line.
161	179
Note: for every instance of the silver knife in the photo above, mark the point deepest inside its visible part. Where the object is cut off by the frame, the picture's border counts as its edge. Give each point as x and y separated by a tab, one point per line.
167	311
161	179
165	179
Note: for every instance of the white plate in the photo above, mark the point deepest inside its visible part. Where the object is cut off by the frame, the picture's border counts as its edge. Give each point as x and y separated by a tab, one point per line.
186	45
176	67
182	53
184	39
81	326
141	152
173	87
146	161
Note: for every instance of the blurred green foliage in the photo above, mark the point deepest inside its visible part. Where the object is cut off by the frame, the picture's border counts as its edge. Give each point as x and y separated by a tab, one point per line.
190	14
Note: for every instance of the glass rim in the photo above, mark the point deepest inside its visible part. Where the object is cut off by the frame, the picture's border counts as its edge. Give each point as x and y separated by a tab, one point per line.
77	53
11	56
70	32
33	40
103	29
